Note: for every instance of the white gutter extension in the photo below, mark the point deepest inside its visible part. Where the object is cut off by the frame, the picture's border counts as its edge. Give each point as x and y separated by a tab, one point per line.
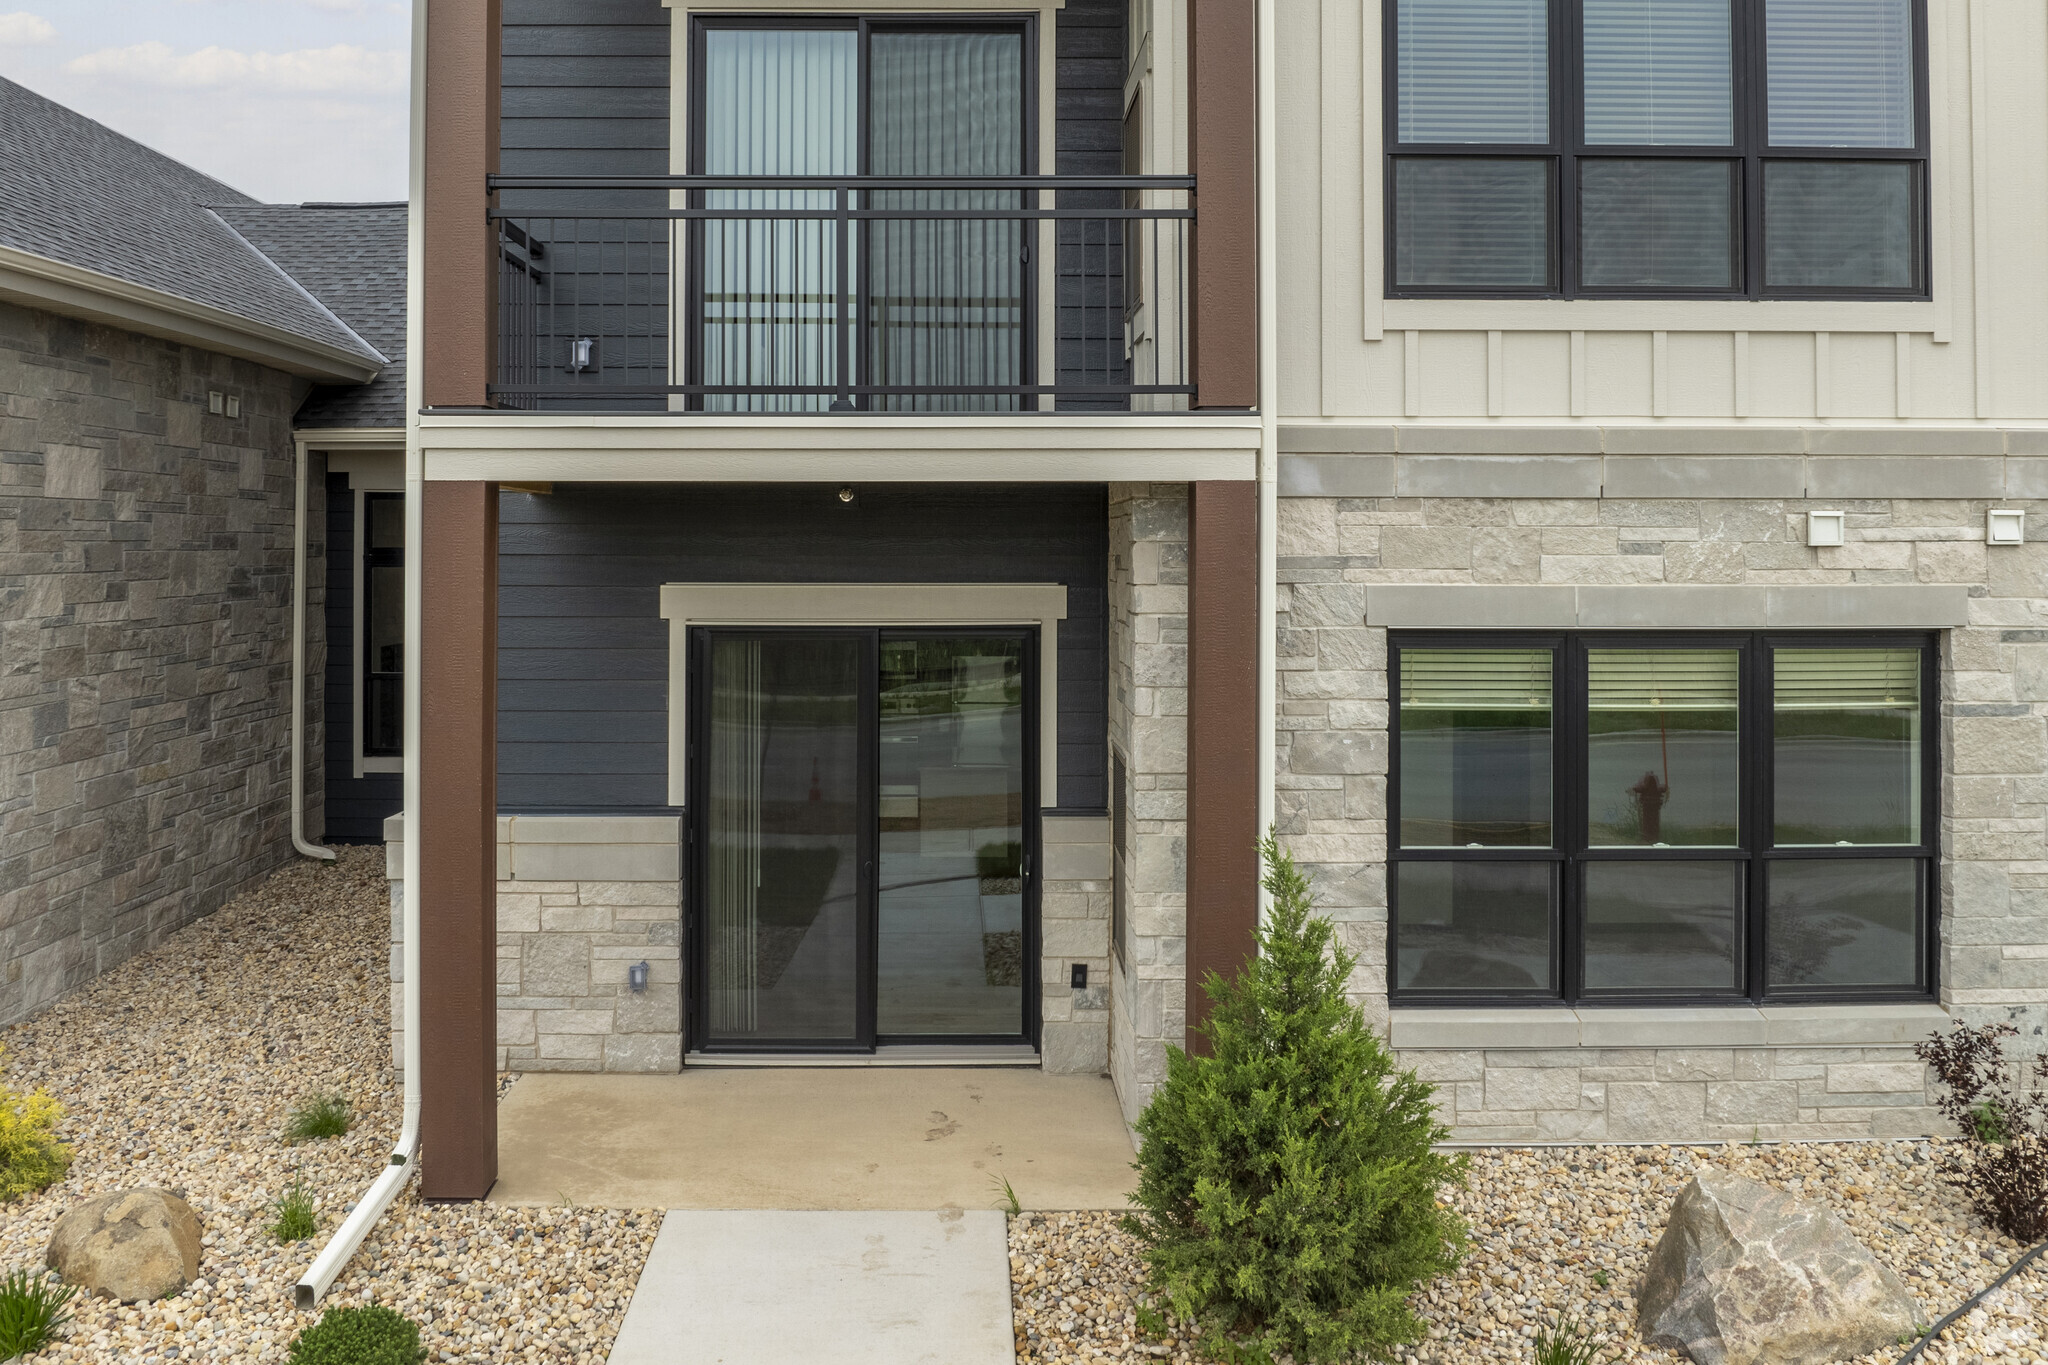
320	1276
1268	249
299	842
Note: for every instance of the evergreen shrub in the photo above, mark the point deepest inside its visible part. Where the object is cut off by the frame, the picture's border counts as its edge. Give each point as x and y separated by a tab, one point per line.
372	1335
31	1157
1289	1198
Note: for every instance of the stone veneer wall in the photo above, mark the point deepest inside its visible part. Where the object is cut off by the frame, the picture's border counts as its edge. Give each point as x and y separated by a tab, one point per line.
145	629
1148	703
580	899
1645	1074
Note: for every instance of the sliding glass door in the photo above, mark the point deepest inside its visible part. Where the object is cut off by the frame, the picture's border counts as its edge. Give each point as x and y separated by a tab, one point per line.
938	299
860	854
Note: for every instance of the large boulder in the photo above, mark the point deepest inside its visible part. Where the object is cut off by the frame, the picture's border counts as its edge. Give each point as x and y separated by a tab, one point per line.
129	1245
1745	1274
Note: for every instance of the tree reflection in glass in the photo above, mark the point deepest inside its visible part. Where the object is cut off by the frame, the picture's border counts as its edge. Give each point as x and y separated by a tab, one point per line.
1475	748
1663	748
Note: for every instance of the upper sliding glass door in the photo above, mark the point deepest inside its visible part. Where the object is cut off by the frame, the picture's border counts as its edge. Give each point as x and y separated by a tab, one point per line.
938	299
860	866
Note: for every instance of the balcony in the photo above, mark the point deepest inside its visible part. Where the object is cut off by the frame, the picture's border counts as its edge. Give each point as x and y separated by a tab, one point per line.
764	294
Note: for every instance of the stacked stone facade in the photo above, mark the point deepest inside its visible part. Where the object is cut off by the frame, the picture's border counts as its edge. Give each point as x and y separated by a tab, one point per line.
145	643
1646	1074
1148	702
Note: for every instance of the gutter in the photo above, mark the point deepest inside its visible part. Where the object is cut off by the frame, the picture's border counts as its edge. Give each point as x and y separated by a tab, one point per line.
39	282
1268	212
404	1159
299	842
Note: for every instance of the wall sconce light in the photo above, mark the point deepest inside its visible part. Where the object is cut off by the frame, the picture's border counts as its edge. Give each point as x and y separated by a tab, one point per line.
636	976
1826	528
2005	526
579	354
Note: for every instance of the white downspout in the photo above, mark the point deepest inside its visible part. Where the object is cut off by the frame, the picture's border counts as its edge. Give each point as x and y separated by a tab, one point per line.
1268	248
299	842
320	1276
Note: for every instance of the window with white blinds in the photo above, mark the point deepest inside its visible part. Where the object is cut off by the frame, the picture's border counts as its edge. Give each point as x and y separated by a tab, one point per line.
1657	148
1729	817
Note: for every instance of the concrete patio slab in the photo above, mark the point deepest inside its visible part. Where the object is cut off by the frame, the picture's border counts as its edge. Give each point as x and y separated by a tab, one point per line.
782	1138
767	1287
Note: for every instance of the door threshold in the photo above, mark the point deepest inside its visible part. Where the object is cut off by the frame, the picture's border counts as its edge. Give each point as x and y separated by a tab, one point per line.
907	1054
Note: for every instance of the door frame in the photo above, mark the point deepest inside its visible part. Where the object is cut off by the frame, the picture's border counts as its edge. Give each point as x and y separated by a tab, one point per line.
695	641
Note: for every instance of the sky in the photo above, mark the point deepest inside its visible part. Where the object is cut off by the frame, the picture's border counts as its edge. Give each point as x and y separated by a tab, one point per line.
287	100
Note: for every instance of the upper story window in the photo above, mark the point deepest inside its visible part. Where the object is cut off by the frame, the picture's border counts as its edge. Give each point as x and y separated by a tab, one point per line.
1657	148
1623	818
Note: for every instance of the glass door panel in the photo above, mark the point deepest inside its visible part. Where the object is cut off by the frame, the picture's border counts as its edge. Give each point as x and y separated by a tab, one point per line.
950	942
783	812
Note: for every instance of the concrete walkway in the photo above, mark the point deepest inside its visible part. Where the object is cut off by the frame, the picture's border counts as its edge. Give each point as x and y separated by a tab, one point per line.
773	1138
822	1288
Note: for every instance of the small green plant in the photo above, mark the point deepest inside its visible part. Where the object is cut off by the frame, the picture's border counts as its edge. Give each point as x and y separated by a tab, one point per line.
1289	1196
31	1158
1566	1342
292	1214
373	1335
318	1116
1987	1124
1602	1278
32	1308
1151	1322
1006	1197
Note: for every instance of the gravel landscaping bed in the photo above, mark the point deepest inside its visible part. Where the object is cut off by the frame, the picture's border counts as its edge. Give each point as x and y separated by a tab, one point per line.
1547	1225
179	1069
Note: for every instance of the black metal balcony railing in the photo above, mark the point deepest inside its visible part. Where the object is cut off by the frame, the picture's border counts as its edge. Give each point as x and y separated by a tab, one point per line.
843	294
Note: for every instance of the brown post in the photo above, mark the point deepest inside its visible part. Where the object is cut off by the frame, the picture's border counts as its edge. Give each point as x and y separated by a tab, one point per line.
458	833
459	269
1223	734
1223	109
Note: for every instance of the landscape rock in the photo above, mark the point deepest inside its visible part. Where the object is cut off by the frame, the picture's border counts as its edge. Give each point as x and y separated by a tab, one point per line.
131	1245
1745	1275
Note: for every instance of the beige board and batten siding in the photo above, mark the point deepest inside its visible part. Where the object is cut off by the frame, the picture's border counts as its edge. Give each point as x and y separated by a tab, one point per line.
1976	351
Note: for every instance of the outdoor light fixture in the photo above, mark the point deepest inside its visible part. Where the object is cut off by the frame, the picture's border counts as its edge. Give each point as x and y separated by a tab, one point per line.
636	976
1825	528
579	354
2005	526
846	494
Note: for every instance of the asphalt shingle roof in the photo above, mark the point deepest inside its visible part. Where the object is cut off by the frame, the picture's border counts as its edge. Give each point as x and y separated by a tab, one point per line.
78	192
352	258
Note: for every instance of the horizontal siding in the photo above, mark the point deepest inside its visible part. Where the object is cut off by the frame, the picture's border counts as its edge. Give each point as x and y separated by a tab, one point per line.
583	652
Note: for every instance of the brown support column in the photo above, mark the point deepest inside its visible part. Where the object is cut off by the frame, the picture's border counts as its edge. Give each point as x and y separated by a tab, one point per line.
458	274
1223	108
458	832
1223	734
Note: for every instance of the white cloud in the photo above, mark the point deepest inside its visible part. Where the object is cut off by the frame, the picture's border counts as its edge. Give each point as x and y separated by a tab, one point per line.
344	69
22	29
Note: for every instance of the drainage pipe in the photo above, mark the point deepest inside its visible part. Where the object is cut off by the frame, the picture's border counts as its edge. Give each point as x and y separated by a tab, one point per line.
404	1160
299	841
1927	1338
1268	247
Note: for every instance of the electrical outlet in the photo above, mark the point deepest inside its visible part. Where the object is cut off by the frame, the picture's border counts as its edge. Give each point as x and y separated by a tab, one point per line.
1078	975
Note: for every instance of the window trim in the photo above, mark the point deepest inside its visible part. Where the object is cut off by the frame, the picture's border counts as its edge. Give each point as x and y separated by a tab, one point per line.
1568	852
1567	147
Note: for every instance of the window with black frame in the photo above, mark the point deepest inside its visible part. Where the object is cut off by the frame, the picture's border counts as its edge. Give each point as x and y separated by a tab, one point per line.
383	657
1656	148
1656	818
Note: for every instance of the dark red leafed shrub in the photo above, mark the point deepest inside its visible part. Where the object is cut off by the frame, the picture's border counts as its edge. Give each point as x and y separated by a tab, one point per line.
2000	1104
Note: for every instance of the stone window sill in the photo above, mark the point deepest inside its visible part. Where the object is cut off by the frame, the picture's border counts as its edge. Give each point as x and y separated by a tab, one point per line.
1740	1026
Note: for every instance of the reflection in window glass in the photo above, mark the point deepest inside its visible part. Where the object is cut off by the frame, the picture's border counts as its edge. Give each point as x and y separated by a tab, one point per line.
1846	746
1843	922
1471	222
1475	748
1663	760
1664	926
1657	224
1474	70
1839	224
1473	926
1658	73
1841	72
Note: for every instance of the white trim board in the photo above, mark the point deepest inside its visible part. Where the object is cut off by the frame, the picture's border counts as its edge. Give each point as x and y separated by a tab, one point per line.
1043	605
